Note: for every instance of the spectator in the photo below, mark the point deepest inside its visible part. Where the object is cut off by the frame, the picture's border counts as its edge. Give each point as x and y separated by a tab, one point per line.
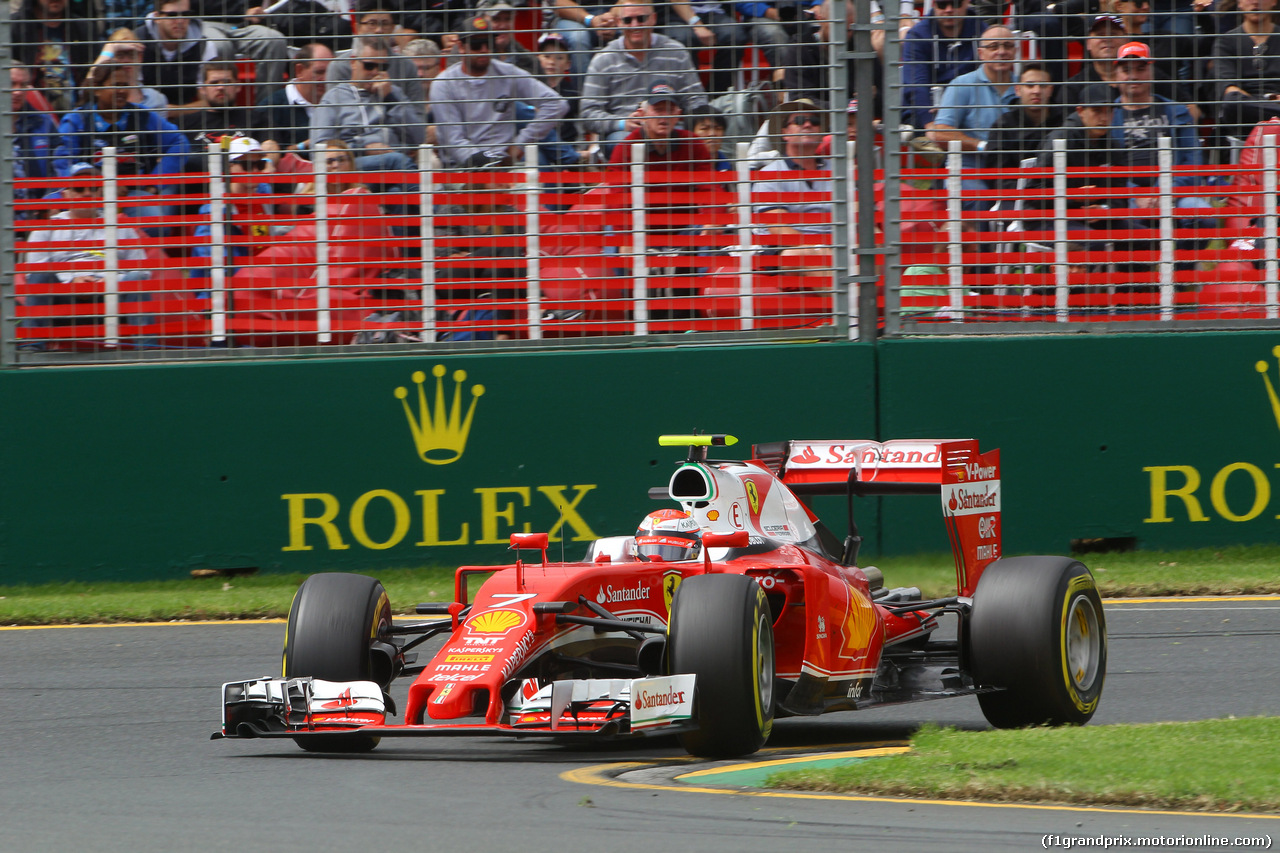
375	20
623	72
35	133
1090	153
56	47
370	113
474	105
667	147
1246	66
554	64
973	102
1106	34
584	28
502	20
709	124
708	25
247	229
175	48
146	144
123	47
1167	52
284	116
426	58
219	114
1020	131
777	24
1142	119
806	65
77	237
798	127
936	50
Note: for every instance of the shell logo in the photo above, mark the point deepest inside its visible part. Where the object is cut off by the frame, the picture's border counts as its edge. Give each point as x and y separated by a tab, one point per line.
495	622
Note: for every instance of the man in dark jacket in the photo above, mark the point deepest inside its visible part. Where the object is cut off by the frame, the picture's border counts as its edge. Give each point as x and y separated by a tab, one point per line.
284	116
938	49
56	47
1021	130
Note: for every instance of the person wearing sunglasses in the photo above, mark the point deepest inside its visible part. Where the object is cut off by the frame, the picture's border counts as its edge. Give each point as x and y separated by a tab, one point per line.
622	73
939	48
375	20
793	231
371	113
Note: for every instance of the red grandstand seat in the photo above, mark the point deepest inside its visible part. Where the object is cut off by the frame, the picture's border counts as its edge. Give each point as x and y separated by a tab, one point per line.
1247	181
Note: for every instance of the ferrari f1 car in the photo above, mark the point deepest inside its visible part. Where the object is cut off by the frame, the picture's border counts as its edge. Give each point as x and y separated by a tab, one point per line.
772	617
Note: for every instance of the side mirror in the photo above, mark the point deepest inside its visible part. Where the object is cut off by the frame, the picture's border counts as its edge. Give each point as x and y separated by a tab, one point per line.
736	539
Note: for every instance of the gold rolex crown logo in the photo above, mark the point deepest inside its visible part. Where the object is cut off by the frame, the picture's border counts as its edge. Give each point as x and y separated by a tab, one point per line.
440	432
1262	368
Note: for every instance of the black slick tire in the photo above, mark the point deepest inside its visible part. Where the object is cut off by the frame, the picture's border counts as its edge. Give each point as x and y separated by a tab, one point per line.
333	621
722	632
1037	630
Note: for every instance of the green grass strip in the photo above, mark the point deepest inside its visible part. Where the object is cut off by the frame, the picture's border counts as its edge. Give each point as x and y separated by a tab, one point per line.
1207	571
1225	765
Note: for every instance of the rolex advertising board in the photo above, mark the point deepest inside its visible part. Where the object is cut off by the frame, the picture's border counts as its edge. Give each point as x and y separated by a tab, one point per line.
355	464
1153	441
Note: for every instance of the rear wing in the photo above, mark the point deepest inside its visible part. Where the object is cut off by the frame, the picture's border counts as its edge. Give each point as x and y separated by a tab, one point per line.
967	481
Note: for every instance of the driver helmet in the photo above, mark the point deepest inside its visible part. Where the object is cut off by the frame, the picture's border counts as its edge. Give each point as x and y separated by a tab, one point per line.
667	536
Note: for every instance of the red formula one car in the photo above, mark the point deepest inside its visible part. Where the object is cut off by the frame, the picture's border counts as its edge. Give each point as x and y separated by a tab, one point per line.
709	622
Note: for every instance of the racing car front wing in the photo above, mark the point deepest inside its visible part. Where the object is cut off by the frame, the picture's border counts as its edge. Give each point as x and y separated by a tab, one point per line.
307	707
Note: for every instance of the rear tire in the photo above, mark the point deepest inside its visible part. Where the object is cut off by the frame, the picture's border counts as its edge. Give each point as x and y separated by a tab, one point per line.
1037	630
334	620
722	632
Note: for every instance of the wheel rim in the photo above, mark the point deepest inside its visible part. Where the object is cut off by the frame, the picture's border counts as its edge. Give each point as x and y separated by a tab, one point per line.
1084	643
764	664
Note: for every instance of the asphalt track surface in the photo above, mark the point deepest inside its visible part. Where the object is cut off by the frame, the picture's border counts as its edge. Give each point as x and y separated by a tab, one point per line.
105	747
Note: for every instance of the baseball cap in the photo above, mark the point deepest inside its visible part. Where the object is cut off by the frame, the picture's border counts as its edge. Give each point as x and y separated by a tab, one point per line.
853	106
1134	50
242	145
490	7
552	40
1113	20
479	25
660	92
83	168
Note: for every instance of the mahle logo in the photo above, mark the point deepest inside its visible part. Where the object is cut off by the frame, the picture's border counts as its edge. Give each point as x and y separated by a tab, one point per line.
440	432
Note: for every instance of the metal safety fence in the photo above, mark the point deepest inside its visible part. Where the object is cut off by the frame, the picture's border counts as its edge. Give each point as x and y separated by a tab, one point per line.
188	180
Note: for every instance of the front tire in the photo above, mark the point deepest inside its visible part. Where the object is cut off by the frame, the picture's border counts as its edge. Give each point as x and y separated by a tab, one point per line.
334	620
722	632
1037	630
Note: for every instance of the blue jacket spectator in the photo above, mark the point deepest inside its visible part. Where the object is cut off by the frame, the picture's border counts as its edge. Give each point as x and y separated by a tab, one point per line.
145	143
937	50
35	133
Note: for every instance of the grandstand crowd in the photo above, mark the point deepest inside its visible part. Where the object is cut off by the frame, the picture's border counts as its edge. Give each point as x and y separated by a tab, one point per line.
305	94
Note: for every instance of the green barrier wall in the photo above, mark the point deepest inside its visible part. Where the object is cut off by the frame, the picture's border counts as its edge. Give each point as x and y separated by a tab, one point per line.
1171	440
147	472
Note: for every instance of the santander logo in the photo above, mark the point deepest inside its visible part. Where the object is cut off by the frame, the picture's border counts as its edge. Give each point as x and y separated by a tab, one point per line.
645	699
344	700
613	594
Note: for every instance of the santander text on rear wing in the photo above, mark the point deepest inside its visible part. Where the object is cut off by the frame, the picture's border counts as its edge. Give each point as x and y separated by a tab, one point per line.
967	481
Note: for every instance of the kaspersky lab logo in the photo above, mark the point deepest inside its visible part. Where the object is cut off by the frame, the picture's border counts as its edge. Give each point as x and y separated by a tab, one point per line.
440	432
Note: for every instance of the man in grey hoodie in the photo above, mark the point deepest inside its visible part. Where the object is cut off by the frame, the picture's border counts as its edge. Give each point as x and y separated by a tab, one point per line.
475	104
370	113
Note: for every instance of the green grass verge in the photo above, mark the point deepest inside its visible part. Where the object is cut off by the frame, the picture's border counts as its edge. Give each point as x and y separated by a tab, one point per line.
1237	570
1226	765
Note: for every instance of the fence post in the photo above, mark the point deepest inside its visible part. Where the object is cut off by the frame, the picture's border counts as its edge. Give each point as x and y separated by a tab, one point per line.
1269	224
955	247
321	175
111	246
217	247
746	248
1061	269
639	245
1164	160
533	241
426	241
